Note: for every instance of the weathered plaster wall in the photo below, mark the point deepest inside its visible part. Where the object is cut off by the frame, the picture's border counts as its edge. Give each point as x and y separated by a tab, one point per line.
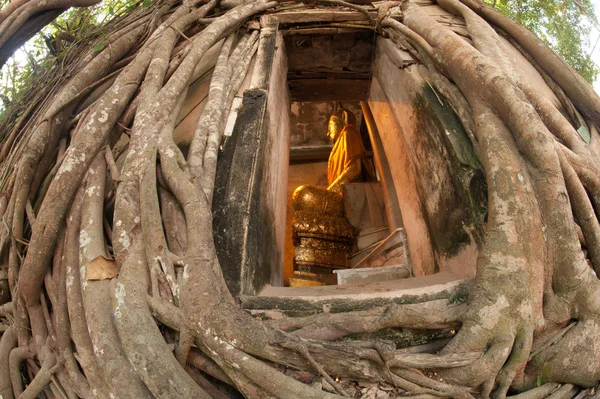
195	100
250	194
327	67
350	52
423	139
309	121
277	148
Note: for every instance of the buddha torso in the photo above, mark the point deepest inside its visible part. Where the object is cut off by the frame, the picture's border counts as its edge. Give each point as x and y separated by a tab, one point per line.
345	159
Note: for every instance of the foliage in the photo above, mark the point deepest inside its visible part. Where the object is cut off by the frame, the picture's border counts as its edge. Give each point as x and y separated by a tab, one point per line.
40	57
564	25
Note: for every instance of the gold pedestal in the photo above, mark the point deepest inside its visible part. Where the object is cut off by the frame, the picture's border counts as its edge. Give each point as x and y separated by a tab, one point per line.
323	238
307	279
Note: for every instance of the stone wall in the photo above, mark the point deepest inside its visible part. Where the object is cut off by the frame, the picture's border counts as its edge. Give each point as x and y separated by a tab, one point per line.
274	194
309	121
349	53
432	164
249	205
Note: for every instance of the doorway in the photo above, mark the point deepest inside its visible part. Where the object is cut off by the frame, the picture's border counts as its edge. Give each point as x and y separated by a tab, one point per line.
417	146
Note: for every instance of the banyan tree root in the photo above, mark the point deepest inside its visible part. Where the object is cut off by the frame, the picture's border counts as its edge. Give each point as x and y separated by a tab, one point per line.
116	289
20	19
505	330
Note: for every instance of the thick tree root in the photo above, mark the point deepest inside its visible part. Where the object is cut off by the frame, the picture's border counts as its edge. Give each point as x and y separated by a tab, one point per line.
108	252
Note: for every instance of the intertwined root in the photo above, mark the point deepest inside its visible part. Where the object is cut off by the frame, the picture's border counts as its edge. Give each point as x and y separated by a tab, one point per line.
143	224
516	146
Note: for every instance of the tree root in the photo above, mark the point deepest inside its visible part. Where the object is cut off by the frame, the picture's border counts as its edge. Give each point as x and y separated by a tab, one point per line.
441	389
302	350
42	378
540	392
326	326
564	392
583	212
137	334
7	343
17	356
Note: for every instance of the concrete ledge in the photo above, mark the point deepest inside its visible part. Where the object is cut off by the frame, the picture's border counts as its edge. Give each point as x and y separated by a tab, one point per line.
343	298
303	15
371	274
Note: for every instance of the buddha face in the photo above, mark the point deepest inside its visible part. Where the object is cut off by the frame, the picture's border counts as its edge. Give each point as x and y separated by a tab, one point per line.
335	128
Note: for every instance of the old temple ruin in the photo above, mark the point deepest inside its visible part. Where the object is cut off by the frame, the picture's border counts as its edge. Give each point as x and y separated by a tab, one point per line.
417	221
293	200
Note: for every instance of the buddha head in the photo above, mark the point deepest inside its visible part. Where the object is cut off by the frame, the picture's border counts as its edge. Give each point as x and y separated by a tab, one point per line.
338	121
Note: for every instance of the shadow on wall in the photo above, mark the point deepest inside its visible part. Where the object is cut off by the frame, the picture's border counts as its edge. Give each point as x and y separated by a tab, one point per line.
431	162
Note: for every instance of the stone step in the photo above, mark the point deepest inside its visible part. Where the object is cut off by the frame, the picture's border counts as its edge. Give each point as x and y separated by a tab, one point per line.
372	274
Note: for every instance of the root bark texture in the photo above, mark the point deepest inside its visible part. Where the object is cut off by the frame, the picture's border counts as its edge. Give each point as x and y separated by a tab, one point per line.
114	288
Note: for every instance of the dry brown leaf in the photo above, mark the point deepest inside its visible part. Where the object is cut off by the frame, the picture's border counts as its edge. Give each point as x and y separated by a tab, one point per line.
101	269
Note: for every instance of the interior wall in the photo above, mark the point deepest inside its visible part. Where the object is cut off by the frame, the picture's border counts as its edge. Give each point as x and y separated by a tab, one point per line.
250	193
277	151
329	67
196	98
309	120
423	142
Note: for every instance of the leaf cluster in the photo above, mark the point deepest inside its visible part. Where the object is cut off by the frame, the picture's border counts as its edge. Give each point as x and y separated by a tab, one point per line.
564	25
44	53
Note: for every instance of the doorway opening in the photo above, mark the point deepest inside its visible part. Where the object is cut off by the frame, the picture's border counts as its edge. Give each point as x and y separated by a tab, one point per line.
420	202
327	72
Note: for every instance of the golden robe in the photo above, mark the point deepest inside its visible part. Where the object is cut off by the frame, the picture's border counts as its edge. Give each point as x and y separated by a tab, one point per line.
347	148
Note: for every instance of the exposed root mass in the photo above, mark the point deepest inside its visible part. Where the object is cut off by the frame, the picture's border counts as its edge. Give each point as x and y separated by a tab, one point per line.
108	250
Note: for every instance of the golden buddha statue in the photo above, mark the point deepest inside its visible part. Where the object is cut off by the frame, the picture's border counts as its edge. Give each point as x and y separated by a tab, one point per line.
345	159
323	238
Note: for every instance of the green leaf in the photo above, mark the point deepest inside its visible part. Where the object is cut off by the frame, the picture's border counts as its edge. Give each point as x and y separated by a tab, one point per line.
565	26
146	3
539	381
111	10
99	47
584	133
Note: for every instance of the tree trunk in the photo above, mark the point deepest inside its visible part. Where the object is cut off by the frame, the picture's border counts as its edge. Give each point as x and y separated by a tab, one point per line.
139	308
